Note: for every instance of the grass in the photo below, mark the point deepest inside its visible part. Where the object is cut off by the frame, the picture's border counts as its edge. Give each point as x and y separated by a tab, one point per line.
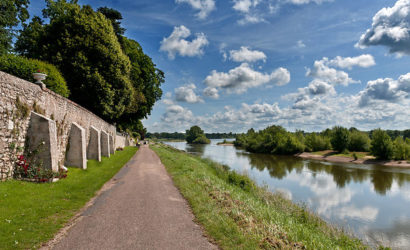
360	155
239	215
32	213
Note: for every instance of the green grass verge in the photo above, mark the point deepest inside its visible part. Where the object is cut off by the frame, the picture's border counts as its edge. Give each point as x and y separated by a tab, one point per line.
32	213
239	215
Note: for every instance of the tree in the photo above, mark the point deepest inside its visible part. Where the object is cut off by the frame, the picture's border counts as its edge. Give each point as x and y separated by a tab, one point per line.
381	145
340	138
317	142
83	45
359	141
401	149
196	135
115	17
12	12
146	81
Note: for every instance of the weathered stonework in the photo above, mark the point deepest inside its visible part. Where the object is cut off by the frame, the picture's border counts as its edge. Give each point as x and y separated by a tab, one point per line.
18	98
105	144
94	145
76	155
42	137
112	146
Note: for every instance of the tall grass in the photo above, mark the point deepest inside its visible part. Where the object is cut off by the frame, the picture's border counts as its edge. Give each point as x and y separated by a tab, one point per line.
238	214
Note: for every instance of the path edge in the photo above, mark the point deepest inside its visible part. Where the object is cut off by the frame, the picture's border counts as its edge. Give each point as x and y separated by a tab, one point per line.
79	214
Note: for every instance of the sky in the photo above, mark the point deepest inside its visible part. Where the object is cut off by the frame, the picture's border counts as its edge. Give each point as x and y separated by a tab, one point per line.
232	65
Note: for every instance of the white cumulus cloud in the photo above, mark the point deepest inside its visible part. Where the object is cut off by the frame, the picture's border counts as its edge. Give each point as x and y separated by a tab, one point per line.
386	89
363	61
211	92
299	2
187	93
176	43
244	5
391	28
322	71
246	55
239	79
204	6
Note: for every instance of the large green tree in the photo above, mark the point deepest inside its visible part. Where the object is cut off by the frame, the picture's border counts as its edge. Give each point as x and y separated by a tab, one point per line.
145	77
105	71
381	145
12	12
196	135
83	45
340	138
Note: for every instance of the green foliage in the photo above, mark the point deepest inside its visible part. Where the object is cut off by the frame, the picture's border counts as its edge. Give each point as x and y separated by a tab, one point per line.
83	45
381	145
317	142
24	68
201	139
273	139
401	149
89	48
146	81
340	138
359	141
196	135
12	12
114	16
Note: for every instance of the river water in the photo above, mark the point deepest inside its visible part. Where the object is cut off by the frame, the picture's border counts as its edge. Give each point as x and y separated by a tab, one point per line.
371	201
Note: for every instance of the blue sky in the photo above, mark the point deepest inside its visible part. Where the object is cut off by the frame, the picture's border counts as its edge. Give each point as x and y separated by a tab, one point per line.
303	64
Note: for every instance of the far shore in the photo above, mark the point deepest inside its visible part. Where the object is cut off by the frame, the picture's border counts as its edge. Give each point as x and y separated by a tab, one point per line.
345	159
225	144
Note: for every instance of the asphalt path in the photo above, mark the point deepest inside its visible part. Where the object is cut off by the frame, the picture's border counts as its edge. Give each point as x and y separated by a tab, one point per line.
141	209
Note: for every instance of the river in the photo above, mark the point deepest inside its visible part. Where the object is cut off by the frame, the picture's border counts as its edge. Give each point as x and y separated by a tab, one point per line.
372	202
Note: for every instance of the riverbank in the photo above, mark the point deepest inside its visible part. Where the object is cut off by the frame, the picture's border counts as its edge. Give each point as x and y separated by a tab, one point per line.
32	213
238	214
331	157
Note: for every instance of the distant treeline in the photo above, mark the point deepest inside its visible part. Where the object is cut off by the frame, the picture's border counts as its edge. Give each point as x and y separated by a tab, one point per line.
384	144
182	136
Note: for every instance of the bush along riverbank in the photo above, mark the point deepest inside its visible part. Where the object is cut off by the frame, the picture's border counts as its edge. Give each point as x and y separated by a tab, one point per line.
237	214
383	145
32	213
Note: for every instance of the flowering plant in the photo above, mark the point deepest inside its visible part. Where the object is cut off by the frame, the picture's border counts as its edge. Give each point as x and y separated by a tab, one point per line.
24	169
41	71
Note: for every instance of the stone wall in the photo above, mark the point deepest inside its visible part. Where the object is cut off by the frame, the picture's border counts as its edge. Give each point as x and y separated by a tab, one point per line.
18	98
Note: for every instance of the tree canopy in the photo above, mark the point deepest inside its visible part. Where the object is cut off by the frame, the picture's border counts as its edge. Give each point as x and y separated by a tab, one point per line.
105	71
12	12
196	135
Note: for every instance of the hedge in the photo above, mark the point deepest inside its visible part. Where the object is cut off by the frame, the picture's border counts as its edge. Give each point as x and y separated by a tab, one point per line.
24	68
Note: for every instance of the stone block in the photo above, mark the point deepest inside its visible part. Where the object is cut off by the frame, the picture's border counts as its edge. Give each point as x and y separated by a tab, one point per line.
76	154
42	137
94	147
105	144
112	145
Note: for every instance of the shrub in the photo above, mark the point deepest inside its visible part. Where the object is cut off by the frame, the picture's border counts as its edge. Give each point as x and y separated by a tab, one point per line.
381	145
315	142
359	141
401	149
240	180
24	68
201	140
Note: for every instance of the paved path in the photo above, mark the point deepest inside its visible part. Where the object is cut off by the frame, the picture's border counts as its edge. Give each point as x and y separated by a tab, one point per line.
142	210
